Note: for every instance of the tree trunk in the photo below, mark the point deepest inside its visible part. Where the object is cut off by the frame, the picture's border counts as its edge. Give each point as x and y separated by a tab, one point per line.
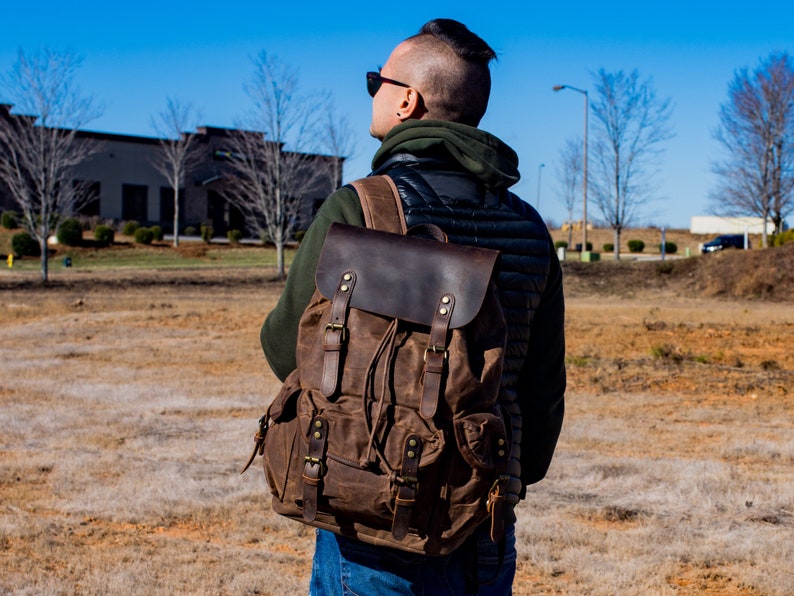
617	244
280	258
45	260
176	215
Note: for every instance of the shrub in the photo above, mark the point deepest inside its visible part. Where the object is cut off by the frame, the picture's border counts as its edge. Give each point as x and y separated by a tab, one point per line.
104	235
207	232
24	245
609	247
10	220
561	244
669	247
781	239
157	233
144	236
130	227
234	236
70	232
190	231
636	246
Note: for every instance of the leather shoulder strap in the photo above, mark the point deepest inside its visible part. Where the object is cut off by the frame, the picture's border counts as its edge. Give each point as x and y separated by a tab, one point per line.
380	201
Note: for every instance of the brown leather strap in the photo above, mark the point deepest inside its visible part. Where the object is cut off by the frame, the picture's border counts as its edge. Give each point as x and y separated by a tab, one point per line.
381	203
496	506
406	491
314	467
436	357
259	440
335	335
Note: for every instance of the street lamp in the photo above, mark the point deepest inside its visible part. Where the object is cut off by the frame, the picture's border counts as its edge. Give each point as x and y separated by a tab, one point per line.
540	167
584	177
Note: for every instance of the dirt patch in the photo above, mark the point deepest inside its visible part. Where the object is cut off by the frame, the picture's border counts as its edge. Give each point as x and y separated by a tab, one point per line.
129	400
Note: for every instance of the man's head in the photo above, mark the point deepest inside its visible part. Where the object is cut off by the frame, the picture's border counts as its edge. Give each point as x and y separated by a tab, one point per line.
442	73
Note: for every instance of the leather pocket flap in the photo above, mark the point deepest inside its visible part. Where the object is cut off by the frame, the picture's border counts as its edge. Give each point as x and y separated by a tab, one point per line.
405	276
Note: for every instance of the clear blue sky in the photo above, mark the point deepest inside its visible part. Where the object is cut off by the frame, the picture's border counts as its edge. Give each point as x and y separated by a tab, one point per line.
138	53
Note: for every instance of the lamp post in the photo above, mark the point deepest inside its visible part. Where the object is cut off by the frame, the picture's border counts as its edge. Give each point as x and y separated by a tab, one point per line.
540	168
584	173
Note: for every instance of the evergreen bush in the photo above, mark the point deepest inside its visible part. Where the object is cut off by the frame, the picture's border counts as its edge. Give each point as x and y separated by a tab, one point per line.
104	235
157	233
70	232
190	231
234	236
636	246
207	232
144	236
24	245
670	248
561	244
130	227
609	247
781	239
10	220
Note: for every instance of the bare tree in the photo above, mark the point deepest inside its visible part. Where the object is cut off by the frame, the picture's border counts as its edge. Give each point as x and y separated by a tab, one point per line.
180	153
40	144
756	131
270	182
631	123
338	142
569	177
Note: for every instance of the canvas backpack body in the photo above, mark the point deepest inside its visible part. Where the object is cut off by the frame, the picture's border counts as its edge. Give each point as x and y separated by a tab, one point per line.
390	430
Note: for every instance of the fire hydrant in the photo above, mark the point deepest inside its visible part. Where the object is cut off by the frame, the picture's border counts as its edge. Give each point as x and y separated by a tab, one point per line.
10	260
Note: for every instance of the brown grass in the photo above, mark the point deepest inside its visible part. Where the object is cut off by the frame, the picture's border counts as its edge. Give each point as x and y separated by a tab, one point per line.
128	404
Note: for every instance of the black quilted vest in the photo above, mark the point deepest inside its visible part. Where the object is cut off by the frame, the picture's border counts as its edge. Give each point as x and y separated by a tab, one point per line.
436	191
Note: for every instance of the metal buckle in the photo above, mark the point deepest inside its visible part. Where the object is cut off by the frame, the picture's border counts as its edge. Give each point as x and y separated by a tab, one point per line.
337	327
437	350
318	462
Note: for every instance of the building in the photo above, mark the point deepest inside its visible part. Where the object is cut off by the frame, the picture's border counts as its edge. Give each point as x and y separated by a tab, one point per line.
715	224
126	185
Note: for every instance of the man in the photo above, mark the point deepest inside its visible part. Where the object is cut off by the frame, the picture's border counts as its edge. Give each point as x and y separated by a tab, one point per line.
427	101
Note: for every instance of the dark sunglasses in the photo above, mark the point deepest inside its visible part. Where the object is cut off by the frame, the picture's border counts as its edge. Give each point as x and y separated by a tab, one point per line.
374	81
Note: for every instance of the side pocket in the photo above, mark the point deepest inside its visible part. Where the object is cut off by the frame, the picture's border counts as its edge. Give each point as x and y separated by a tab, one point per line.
483	442
282	438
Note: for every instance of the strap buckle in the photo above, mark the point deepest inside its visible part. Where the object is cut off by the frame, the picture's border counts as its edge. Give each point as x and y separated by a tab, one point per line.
337	327
437	350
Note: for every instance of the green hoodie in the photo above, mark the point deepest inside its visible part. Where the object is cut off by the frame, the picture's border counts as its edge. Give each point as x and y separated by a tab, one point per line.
482	154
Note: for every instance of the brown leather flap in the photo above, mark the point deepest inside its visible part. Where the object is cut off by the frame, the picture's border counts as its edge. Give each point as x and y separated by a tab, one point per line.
405	276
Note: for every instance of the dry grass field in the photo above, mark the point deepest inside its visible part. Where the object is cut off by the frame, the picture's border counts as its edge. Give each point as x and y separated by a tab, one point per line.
129	401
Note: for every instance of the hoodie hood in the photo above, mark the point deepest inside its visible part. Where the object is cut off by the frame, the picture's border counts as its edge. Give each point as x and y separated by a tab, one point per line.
493	162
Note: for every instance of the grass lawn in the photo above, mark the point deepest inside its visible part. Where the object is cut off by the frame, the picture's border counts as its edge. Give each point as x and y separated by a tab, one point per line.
125	254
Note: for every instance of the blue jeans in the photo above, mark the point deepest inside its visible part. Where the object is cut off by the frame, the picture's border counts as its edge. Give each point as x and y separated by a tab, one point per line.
343	566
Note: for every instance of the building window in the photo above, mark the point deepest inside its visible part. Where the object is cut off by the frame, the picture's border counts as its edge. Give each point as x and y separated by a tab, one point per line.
134	199
88	193
167	208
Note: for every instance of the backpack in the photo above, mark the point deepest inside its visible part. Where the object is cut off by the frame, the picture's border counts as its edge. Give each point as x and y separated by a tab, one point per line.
390	430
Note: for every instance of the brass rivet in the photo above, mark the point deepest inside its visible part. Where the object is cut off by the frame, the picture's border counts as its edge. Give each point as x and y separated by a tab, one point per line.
445	300
347	277
501	452
318	435
412	442
344	288
443	311
318	423
501	441
411	454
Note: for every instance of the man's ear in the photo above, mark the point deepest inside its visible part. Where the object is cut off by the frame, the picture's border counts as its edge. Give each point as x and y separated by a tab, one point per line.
411	105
